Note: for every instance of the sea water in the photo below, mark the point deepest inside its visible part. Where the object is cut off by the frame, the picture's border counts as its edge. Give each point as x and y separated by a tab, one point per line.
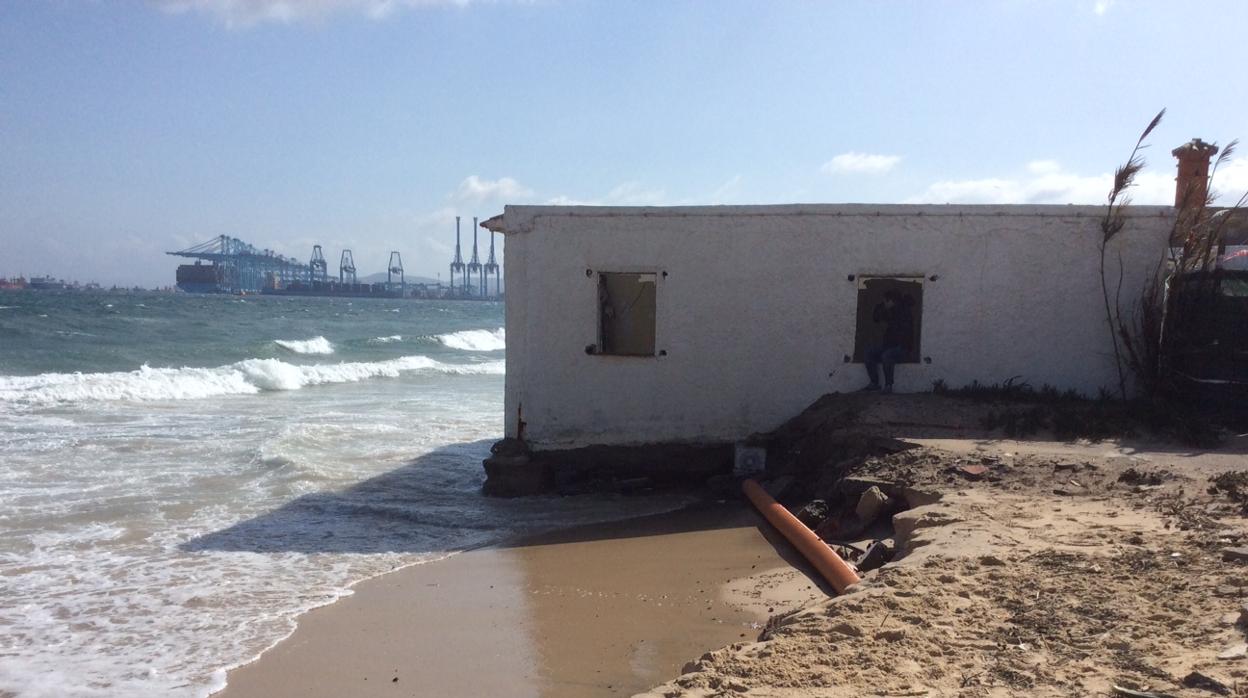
181	476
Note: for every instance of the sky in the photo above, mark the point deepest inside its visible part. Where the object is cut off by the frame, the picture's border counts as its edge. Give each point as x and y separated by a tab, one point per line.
129	128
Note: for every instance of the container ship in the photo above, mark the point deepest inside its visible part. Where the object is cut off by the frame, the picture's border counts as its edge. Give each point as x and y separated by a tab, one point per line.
333	288
46	283
201	278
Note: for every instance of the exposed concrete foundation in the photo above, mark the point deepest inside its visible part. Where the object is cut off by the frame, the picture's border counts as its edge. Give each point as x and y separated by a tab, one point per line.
513	470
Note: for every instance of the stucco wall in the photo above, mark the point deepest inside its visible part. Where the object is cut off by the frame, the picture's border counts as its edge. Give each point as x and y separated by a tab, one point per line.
756	311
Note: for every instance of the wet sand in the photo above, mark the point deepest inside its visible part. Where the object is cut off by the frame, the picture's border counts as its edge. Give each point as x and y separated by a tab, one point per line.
602	610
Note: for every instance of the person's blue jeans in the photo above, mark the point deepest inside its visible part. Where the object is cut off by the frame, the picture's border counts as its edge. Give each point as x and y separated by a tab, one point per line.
882	356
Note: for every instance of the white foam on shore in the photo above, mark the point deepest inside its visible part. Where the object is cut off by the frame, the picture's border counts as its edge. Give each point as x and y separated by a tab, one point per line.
475	340
243	378
316	345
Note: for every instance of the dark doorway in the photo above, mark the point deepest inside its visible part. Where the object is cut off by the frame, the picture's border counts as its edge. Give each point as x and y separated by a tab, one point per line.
869	332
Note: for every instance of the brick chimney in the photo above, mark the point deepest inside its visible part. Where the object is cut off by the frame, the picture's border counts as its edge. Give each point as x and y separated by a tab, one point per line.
1193	181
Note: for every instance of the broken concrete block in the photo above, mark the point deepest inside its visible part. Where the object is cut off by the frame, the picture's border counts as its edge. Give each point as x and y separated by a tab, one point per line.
1238	651
852	487
1205	682
515	476
1235	554
871	504
876	556
1226	590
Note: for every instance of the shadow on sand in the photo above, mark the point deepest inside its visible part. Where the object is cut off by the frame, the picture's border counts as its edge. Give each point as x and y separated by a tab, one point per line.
433	504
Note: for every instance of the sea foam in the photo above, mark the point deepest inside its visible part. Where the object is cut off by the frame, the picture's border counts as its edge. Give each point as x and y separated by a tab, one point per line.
316	345
243	378
475	340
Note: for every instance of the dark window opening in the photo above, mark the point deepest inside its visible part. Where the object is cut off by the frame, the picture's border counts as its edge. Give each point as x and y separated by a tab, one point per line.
626	311
890	313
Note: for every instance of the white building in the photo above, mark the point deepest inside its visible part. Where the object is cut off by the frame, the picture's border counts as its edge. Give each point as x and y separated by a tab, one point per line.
631	325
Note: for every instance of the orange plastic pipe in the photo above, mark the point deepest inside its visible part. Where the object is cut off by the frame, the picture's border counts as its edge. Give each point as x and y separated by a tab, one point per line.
838	572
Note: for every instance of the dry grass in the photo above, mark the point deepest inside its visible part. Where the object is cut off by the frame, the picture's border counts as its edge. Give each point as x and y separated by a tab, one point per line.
1142	347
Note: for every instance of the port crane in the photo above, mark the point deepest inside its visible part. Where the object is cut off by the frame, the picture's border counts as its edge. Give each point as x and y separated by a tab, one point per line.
319	268
245	268
395	270
346	268
457	264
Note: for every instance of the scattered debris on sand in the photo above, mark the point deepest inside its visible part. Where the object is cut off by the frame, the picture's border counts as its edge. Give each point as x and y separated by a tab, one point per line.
1076	570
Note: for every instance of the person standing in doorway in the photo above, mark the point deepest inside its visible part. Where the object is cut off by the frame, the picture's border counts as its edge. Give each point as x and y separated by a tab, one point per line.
894	313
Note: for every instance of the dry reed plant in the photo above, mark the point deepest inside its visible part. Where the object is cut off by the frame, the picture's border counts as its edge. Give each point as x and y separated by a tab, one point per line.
1143	346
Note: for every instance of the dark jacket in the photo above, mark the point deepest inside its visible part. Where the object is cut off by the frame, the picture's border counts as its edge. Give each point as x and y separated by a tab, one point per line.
898	325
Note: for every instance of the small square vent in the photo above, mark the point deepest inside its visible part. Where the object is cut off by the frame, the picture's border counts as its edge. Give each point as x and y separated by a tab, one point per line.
748	460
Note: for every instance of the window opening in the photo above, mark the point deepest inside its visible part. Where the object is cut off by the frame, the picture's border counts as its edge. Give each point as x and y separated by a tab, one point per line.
626	313
890	313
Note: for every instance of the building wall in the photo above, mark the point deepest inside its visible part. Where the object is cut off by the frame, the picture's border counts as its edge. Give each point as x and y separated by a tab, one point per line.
756	312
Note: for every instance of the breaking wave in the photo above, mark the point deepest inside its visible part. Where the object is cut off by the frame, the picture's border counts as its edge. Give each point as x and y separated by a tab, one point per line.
475	340
316	345
243	378
386	340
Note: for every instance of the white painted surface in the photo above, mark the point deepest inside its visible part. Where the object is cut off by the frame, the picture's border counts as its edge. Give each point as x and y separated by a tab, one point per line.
756	311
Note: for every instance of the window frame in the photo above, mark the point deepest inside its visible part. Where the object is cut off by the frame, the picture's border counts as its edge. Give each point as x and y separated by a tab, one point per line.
915	356
599	277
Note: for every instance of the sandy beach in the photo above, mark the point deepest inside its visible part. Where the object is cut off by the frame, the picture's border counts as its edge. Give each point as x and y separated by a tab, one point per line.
601	610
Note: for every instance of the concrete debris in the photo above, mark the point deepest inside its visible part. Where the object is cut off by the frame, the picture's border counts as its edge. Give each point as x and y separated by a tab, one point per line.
1206	683
1235	554
1238	651
813	514
1132	693
878	555
871	504
1226	590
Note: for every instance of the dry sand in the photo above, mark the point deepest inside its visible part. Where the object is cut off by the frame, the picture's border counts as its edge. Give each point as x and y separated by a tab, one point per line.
1065	570
604	610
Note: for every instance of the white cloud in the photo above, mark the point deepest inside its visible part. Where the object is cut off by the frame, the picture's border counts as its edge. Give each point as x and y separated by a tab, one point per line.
1043	167
1046	182
245	13
625	194
860	163
1231	181
475	190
